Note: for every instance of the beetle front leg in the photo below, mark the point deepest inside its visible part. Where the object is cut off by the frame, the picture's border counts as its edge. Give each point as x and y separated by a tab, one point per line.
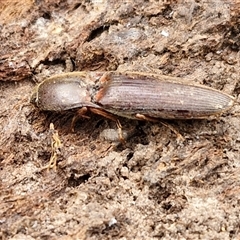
81	112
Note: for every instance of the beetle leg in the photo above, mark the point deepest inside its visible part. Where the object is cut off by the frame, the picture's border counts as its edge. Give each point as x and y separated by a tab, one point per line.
111	117
146	118
151	119
80	113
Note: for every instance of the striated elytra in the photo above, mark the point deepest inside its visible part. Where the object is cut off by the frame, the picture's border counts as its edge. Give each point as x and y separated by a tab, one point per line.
131	95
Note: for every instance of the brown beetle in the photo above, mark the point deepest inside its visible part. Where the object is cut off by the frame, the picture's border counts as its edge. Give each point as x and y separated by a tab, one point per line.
130	94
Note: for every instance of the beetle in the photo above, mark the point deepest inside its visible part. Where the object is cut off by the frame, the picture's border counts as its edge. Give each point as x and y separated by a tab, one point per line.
130	94
134	95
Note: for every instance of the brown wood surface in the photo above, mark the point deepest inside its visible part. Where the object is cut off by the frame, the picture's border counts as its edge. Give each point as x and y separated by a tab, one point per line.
153	187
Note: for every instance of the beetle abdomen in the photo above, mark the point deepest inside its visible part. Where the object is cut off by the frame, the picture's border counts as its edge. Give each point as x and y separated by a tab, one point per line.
127	96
